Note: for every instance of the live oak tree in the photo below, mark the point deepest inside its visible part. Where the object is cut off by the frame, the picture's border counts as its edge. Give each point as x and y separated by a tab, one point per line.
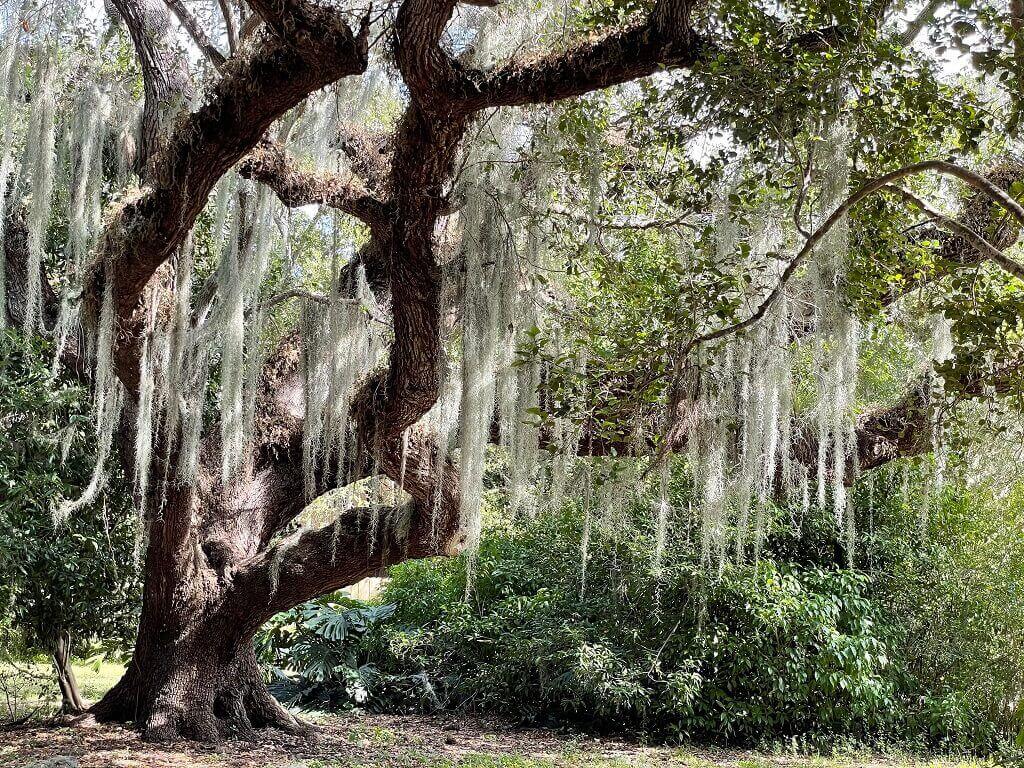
420	128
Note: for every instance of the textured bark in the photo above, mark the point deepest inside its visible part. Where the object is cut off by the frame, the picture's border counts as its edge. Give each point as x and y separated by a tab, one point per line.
164	71
193	677
70	697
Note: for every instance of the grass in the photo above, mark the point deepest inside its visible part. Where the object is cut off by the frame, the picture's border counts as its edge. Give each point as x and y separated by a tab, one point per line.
96	678
32	683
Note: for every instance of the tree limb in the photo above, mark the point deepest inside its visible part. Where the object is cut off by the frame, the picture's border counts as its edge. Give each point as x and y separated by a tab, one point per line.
975	180
165	75
350	549
197	33
663	39
257	86
230	25
269	164
984	248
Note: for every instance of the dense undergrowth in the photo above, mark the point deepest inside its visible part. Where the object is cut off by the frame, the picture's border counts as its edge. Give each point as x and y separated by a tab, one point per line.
919	645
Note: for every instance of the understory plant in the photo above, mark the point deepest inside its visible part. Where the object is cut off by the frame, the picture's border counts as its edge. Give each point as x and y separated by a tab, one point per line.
918	645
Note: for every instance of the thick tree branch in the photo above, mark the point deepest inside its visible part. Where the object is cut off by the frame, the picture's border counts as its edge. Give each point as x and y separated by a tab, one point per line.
662	40
308	26
905	428
165	75
352	548
269	164
260	84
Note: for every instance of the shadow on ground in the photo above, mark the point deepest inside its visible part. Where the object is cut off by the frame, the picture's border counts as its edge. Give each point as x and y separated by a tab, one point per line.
381	741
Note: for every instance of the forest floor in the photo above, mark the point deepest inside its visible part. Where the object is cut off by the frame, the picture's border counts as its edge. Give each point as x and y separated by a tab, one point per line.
387	741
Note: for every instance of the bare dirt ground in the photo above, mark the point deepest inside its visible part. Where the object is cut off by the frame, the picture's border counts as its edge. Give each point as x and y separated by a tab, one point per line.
381	741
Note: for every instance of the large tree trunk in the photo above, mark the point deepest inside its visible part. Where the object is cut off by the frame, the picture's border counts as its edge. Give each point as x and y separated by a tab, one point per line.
193	672
193	682
219	563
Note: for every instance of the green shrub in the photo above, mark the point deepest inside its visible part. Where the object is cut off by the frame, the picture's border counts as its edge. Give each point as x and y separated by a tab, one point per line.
75	576
313	652
764	650
922	646
952	598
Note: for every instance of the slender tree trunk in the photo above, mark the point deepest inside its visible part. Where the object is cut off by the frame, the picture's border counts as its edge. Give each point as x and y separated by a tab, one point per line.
71	698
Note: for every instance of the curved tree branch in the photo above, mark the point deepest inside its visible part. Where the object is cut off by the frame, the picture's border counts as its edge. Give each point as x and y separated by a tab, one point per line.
978	182
984	248
269	164
259	85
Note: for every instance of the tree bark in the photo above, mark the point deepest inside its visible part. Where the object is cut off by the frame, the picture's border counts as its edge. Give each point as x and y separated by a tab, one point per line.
192	677
70	697
193	672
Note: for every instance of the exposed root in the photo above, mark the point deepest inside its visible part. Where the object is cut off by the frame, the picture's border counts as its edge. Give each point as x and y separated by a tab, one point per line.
199	704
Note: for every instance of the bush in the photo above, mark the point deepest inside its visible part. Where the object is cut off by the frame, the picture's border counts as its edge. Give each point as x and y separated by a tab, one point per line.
313	652
923	646
953	603
73	578
764	650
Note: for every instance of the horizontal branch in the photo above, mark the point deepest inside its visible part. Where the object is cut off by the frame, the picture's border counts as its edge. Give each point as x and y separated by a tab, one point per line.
353	547
270	165
662	40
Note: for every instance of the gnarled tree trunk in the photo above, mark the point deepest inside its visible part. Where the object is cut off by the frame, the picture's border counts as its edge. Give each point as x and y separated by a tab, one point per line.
193	671
219	560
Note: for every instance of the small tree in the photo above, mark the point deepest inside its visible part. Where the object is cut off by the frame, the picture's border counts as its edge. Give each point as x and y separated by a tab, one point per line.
61	582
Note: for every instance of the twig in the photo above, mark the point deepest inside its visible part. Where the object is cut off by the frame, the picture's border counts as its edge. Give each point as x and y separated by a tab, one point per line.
971	178
983	246
196	32
229	23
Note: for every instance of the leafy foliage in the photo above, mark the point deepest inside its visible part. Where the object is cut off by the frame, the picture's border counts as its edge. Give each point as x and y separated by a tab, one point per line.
314	655
770	649
921	646
952	603
76	577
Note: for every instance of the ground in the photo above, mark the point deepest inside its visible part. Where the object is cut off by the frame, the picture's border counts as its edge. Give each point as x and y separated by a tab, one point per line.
385	741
